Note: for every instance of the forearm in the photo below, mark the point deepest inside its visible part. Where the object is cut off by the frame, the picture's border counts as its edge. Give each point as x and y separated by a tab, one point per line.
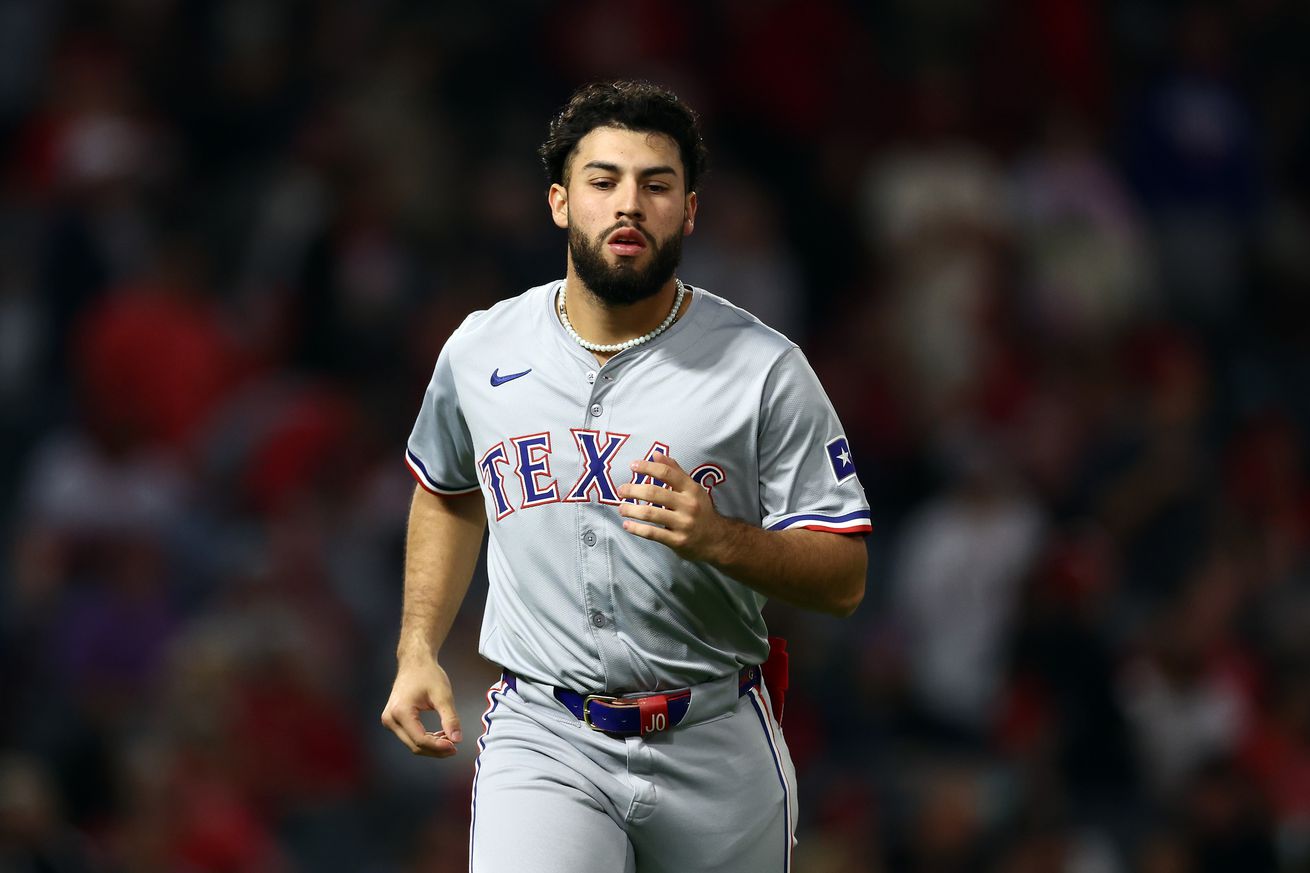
806	568
441	552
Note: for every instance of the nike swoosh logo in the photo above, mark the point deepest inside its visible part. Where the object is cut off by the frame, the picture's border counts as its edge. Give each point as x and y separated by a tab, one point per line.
497	379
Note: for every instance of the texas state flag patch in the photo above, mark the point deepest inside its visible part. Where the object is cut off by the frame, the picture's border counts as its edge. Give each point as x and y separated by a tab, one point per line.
839	457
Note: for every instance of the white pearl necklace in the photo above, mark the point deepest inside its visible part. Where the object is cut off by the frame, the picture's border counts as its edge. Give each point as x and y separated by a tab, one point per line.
626	344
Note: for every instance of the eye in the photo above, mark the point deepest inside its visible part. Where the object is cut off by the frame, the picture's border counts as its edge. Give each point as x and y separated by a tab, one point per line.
602	184
657	187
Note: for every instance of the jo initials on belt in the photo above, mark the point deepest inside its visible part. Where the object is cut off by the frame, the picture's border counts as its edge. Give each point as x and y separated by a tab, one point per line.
652	710
634	716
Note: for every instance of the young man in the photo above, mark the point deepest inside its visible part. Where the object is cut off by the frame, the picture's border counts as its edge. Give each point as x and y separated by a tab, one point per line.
653	464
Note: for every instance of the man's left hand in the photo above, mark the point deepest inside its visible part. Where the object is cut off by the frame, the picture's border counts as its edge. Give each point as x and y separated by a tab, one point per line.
688	522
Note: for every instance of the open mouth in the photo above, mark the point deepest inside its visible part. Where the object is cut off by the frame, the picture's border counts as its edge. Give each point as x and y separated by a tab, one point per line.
626	242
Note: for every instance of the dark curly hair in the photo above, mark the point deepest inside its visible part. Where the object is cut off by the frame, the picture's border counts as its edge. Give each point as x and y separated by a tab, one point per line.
638	106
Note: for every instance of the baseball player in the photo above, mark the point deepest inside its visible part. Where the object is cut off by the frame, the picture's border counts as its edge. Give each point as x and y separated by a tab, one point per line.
652	463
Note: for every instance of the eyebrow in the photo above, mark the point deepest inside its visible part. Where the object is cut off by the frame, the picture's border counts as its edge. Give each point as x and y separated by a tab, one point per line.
644	174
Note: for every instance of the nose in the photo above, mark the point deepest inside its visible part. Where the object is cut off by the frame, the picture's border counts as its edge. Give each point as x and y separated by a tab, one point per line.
628	204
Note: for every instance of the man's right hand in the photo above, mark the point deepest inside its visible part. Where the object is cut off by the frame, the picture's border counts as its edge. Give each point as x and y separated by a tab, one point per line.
421	685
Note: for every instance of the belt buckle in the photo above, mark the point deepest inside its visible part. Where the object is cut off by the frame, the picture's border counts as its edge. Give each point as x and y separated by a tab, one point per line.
586	708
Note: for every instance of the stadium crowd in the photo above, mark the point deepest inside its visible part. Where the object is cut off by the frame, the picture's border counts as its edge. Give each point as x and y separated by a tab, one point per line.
1051	260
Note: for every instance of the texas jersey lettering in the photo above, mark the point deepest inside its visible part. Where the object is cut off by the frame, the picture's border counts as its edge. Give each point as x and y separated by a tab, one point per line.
530	459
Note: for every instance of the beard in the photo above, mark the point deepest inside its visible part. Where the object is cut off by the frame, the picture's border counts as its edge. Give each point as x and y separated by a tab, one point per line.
623	284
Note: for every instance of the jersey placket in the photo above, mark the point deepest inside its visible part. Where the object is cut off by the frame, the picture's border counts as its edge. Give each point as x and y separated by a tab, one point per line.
594	566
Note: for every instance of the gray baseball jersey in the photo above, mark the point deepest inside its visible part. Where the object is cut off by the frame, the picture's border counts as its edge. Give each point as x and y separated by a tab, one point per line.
518	410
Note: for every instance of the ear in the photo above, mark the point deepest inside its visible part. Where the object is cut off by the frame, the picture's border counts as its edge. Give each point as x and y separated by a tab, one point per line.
558	198
689	218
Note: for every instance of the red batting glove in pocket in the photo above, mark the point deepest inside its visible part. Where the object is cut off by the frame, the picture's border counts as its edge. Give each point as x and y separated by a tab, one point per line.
775	675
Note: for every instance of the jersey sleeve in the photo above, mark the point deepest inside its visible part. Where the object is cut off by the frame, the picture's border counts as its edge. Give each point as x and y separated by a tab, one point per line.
440	448
807	475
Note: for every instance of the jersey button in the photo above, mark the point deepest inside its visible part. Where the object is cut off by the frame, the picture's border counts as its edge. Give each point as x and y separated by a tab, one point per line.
589	538
596	409
591	377
597	619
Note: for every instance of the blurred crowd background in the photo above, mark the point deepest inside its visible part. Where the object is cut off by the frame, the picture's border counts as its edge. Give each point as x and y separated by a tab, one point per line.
1051	259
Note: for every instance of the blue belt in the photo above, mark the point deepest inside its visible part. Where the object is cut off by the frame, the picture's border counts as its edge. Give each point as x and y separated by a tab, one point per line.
634	716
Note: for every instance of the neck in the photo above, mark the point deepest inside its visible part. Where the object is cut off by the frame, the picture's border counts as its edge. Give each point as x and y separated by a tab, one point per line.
601	322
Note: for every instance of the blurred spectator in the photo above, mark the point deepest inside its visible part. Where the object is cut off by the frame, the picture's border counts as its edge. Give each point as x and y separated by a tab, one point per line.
1062	710
1164	851
110	637
1266	489
739	253
180	810
957	583
1193	156
1189	696
1154	472
87	495
1083	245
1055	849
1225	822
33	834
654	40
1277	755
949	817
791	67
934	208
122	340
356	284
90	155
